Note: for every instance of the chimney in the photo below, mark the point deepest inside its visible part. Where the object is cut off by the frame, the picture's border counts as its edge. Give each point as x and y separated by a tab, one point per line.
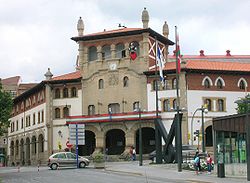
228	53
202	53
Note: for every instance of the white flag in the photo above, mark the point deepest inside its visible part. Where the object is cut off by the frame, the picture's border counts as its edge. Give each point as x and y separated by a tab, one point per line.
160	63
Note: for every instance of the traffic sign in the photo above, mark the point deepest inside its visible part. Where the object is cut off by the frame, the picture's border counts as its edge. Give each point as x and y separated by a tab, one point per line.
77	133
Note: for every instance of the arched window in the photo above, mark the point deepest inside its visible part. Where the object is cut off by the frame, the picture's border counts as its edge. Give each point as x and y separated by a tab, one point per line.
125	81
57	93
106	53
73	92
219	84
17	147
220	105
242	85
174	104
33	142
206	83
65	112
57	113
174	83
91	110
101	84
92	53
65	93
12	148
120	51
136	47
40	143
208	103
166	105
165	87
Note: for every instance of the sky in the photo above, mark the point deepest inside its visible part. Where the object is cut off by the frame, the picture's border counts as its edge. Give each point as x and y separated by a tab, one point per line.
35	34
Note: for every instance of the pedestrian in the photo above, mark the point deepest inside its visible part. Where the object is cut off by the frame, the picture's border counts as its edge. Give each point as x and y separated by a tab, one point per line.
131	153
196	164
134	154
209	164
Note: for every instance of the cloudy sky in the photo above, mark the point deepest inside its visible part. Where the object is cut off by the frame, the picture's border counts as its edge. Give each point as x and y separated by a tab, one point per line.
35	34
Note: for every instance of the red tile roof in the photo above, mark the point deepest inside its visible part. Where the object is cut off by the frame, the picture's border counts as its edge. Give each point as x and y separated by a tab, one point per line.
113	31
209	65
11	81
69	76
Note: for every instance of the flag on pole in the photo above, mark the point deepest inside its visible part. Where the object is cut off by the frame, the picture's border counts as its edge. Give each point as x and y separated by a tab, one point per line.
178	53
160	62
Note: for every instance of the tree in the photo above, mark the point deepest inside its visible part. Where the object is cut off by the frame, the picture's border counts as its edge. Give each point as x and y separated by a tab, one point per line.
243	105
6	104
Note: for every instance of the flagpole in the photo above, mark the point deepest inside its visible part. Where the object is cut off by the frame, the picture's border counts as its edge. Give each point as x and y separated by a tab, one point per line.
178	143
158	143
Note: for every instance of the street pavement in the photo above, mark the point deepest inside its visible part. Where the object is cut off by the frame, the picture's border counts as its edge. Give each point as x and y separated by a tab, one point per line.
148	172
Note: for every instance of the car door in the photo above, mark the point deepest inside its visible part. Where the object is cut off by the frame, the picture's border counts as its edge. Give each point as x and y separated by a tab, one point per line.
62	159
71	159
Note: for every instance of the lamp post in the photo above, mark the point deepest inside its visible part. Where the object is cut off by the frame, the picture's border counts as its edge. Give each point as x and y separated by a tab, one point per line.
202	109
246	102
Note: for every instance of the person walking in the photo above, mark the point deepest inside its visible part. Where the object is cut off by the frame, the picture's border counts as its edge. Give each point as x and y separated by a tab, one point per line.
133	154
209	164
197	164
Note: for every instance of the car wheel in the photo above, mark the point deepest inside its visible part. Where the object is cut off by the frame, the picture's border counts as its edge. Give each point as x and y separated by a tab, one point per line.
82	165
54	166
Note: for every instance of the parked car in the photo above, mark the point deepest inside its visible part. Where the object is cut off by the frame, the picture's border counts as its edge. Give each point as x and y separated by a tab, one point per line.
66	159
187	150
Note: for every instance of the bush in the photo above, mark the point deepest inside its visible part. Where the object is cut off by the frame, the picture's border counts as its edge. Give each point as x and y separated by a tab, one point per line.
98	157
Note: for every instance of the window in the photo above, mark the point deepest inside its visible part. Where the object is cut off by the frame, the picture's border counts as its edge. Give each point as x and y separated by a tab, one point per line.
106	53
174	83
114	108
219	84
92	53
166	105
242	85
57	93
34	118
125	81
120	51
73	92
174	104
42	116
220	105
208	103
22	123
165	86
65	93
207	83
17	125
57	113
12	148
65	112
101	84
156	83
136	106
39	117
91	110
17	147
33	146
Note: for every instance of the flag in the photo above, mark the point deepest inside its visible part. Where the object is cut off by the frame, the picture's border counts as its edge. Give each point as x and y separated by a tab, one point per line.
160	62
178	53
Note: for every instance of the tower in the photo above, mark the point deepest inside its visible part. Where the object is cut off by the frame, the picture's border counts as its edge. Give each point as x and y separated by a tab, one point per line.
145	18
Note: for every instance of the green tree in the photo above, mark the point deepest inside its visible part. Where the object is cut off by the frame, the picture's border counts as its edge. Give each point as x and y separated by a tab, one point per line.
243	105
6	104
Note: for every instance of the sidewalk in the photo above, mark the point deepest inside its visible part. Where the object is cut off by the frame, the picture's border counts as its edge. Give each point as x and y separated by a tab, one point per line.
169	172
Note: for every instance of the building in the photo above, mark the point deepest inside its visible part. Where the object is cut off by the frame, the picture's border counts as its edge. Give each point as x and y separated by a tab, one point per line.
112	92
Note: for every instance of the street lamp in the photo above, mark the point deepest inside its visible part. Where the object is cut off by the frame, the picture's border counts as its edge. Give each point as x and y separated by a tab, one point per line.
247	127
138	109
202	109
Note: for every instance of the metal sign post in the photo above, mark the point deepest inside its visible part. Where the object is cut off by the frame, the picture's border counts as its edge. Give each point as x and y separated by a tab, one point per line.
77	137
